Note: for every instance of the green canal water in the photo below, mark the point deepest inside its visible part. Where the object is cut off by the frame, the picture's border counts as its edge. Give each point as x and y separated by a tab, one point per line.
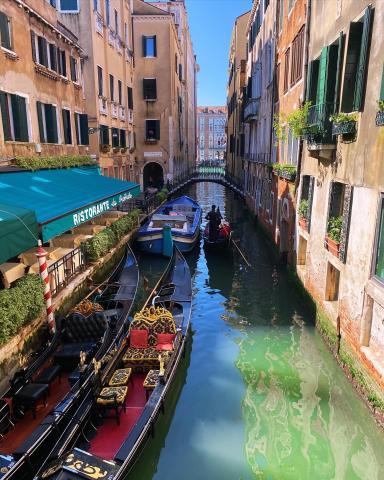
259	395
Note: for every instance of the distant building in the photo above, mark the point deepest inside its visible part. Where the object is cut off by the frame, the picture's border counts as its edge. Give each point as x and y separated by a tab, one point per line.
212	137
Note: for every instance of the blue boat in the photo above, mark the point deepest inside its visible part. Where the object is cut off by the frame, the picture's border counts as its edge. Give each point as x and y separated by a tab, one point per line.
176	221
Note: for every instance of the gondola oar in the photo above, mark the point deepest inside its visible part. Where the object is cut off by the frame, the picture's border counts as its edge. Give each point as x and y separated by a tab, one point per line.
241	253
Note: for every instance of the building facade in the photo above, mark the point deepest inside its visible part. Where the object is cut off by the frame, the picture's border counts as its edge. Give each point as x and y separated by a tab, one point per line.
104	29
43	111
164	93
212	137
340	237
235	97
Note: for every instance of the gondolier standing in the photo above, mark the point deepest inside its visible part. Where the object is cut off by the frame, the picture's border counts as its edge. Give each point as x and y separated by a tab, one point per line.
214	219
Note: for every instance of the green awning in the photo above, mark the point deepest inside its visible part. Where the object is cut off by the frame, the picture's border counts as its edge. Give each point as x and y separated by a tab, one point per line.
18	231
63	199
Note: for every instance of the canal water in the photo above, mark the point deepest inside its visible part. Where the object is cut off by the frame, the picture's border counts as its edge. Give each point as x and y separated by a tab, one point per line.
260	396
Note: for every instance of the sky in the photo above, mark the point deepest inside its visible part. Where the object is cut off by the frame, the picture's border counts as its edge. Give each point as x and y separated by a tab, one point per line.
211	23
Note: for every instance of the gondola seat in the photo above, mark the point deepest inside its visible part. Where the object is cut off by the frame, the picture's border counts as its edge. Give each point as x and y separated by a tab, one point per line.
120	377
112	398
154	321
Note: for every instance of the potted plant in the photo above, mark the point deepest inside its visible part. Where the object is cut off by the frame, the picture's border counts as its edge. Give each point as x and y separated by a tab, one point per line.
303	211
334	235
105	148
344	123
380	113
284	170
296	122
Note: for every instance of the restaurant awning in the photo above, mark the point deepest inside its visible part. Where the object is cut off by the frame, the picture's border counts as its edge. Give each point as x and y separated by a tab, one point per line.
18	231
63	199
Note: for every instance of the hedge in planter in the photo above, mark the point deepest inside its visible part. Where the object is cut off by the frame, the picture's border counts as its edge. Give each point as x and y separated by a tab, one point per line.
20	305
40	163
104	241
162	195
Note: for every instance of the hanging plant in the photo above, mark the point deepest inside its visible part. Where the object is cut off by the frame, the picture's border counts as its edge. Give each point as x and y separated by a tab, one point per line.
342	117
296	122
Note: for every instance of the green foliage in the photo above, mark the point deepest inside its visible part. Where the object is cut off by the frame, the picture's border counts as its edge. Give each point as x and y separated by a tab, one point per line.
20	304
380	104
303	208
104	241
295	121
162	195
342	117
40	163
334	228
284	168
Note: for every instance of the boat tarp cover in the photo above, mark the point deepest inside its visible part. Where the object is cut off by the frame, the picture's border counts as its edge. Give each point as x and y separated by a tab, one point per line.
18	231
64	198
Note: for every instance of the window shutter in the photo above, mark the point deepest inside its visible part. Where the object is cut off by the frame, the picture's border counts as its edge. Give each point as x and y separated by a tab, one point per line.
33	44
310	200
5	116
19	113
64	63
157	129
363	60
347	209
77	128
382	85
4	31
130	98
73	69
323	67
84	129
154	46
39	107
144	41
123	140
66	127
340	58
51	123
42	44
351	63
53	56
308	88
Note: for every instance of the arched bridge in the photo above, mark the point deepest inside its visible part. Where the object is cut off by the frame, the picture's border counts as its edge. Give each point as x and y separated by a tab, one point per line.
206	174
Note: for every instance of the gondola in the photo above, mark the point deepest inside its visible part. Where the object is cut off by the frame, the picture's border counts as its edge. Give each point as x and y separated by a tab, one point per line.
107	436
223	240
56	383
176	221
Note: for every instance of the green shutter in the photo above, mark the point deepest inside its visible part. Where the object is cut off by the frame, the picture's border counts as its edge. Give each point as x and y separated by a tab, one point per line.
340	58
312	79
77	128
4	31
350	68
19	114
39	107
144	42
84	129
123	141
63	64
363	60
67	126
51	123
323	67
5	116
157	129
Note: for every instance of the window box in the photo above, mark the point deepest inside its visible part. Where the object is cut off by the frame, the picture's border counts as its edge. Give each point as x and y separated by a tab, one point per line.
343	128
380	118
105	148
332	246
303	222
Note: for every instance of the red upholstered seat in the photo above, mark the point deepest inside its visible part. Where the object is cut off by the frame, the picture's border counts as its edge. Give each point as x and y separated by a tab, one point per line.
165	341
138	339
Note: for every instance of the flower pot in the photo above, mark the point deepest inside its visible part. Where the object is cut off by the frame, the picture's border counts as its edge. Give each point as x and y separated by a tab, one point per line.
343	128
303	222
332	246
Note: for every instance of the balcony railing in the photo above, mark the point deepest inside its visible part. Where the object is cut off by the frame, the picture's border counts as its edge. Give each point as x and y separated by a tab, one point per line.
119	45
103	106
130	116
128	54
99	23
114	110
319	130
251	109
122	113
111	37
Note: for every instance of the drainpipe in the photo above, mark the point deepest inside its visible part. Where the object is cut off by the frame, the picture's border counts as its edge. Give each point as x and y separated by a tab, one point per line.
306	55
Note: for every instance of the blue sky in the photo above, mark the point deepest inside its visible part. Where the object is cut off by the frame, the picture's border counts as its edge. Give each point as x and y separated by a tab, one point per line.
211	23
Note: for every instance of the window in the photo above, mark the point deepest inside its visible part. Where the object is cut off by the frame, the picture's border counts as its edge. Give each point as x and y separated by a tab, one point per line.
73	65
356	64
149	46
81	123
14	116
293	148
120	92
115	137
297	57
53	3
5	31
130	98
62	62
96	5
281	15
42	51
116	22
104	135
111	88
286	70
69	6
123	139
107	12
379	254
149	89
47	118
66	114
180	72
152	130
100	81
53	57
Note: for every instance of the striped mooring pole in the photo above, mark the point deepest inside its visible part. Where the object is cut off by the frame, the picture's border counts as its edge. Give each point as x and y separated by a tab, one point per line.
42	257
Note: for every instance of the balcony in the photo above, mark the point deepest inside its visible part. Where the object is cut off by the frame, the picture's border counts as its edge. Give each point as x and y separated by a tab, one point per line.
128	54
103	107
119	45
319	130
111	37
251	109
114	110
122	113
130	116
99	23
